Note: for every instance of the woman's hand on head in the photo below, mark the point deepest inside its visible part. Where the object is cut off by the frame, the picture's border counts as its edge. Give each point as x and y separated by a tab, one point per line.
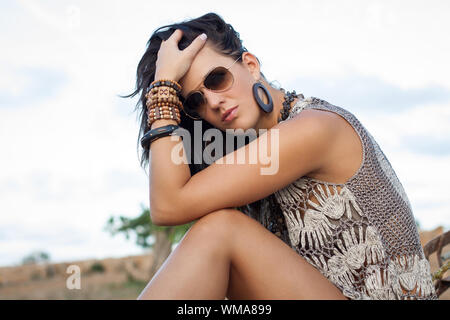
172	63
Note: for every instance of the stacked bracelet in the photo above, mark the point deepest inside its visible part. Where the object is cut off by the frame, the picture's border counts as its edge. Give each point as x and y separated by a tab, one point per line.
163	101
166	82
163	112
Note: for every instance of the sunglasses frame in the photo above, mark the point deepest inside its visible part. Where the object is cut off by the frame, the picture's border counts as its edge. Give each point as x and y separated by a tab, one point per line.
202	85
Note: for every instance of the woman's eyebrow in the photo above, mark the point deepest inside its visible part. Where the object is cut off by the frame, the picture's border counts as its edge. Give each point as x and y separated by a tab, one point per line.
201	81
200	84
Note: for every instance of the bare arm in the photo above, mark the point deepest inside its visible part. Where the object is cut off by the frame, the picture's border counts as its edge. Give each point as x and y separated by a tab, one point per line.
166	177
178	198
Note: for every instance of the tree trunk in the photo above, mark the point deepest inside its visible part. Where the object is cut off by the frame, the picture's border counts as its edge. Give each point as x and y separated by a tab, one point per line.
161	248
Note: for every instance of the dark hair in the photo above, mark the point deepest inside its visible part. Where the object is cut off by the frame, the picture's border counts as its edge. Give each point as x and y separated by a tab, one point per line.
224	39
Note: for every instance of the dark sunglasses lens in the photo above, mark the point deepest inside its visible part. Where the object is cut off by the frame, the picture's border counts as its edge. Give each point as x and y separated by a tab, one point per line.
193	103
219	79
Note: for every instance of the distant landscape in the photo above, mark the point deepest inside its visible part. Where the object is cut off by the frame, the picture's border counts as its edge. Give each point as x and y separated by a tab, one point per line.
113	278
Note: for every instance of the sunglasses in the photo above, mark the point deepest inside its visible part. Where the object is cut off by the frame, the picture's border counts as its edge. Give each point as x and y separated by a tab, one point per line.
218	79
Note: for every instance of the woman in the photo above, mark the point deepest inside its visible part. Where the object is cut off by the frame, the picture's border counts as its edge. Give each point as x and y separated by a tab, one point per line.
331	221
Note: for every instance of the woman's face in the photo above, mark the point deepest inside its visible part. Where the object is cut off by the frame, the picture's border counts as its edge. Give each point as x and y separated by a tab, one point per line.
245	72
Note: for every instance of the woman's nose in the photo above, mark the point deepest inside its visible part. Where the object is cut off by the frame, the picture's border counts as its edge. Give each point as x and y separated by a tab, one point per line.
213	99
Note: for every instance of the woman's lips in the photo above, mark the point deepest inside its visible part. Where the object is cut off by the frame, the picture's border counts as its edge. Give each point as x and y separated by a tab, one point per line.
231	114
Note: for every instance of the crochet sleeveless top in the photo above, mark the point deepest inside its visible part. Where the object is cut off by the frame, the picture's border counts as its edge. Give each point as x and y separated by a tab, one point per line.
361	234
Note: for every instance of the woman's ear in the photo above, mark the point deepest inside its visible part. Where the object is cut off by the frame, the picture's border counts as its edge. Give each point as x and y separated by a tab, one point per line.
252	64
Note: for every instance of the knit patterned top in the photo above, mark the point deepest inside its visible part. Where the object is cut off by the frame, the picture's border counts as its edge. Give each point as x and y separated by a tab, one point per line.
361	234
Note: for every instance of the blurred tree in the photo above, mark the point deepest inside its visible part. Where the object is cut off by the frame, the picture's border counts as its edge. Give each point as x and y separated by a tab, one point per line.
142	226
36	257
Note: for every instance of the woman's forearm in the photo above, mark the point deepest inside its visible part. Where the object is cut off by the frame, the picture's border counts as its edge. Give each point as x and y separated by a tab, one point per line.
166	176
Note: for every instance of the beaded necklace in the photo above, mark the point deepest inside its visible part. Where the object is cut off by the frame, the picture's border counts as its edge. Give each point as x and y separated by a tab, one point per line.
288	98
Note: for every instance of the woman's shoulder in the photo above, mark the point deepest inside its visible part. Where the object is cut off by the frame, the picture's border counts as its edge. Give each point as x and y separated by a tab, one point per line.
323	112
315	113
345	152
311	102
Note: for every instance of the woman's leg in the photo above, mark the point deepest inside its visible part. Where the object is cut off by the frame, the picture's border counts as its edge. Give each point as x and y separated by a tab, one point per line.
227	253
198	268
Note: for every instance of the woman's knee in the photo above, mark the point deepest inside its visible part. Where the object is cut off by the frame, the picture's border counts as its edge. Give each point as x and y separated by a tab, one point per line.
219	224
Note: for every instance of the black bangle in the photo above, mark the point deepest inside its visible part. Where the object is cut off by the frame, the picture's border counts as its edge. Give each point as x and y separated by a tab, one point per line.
157	133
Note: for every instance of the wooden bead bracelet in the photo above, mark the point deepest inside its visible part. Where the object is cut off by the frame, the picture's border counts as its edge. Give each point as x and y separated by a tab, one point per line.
162	101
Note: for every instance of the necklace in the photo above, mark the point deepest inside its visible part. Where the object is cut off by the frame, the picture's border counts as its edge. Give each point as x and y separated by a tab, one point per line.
288	98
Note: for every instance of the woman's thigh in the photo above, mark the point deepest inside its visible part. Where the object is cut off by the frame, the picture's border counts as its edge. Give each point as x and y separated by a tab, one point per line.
262	265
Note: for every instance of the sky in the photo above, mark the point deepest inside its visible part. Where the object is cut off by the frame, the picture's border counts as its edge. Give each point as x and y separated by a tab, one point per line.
69	157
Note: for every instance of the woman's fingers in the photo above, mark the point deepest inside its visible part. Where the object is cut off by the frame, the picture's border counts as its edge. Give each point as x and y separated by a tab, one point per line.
176	36
171	58
195	46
